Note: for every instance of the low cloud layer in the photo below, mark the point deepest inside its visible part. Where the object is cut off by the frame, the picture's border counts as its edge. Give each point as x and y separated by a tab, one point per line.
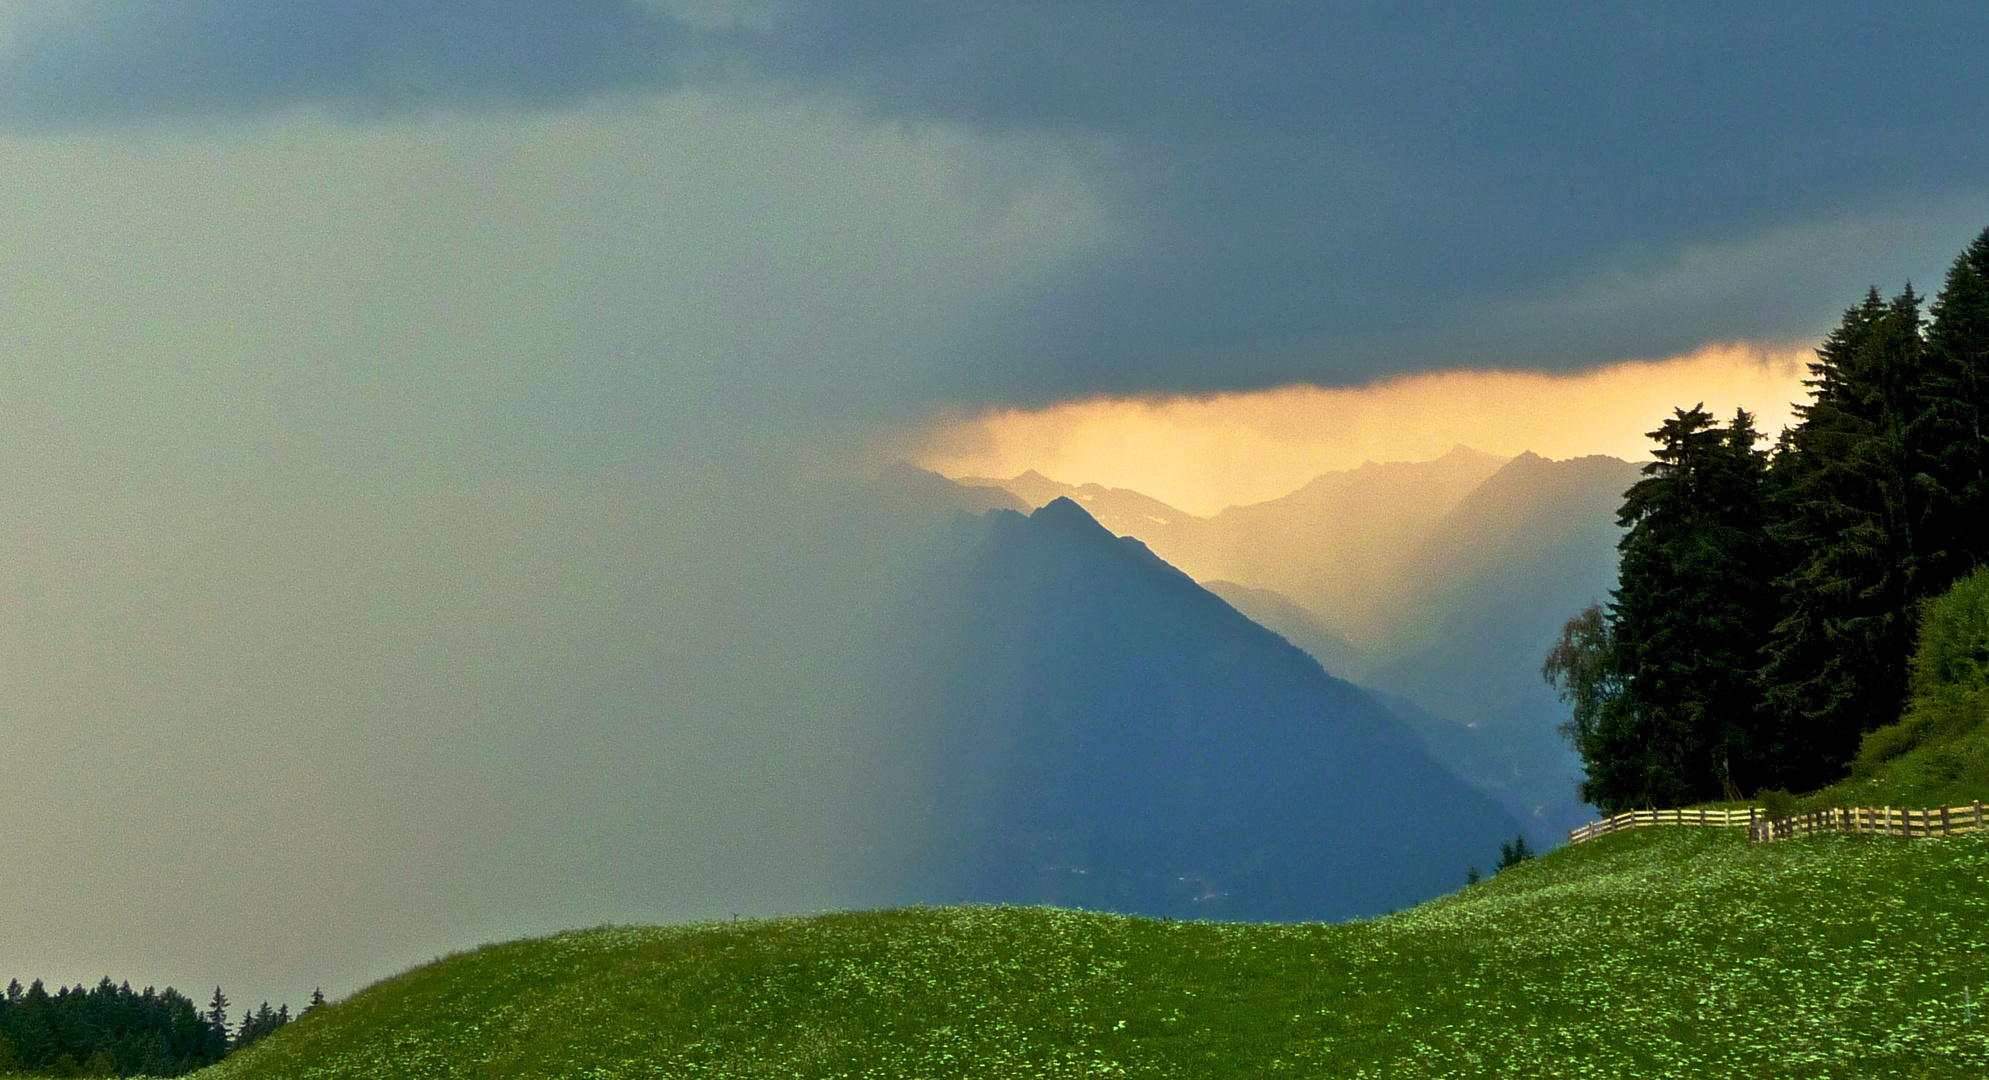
1204	453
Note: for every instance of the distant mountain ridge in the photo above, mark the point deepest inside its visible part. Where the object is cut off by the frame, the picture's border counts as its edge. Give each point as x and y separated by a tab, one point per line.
1356	529
1102	732
1441	583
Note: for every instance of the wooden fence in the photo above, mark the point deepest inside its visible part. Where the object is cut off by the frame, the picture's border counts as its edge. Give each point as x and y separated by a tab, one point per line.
1870	820
1636	819
1875	821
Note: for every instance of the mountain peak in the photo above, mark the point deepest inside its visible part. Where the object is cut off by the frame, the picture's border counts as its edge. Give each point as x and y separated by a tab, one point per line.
1107	734
1066	512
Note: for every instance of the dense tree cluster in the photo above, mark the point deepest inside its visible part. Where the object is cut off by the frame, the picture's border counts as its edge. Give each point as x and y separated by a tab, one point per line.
260	1023
104	1031
1768	599
112	1030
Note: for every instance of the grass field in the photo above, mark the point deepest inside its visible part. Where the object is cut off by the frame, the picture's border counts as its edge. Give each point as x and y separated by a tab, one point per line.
1657	952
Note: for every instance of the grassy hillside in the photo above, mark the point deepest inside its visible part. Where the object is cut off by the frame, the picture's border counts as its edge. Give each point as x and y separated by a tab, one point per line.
1659	952
1951	770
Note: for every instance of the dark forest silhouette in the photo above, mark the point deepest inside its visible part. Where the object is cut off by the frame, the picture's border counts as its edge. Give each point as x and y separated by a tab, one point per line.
1769	599
112	1030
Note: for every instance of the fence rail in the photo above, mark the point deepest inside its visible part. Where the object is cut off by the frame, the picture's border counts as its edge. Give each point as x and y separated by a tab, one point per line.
1875	821
1868	820
1637	819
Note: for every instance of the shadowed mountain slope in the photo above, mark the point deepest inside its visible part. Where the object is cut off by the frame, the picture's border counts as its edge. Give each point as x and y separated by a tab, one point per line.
1105	733
1280	613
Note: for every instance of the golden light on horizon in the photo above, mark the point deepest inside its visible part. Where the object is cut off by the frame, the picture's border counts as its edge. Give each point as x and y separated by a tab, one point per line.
1204	453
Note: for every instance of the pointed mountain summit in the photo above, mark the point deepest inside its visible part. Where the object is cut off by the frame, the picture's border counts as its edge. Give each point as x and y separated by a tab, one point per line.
1338	546
1102	732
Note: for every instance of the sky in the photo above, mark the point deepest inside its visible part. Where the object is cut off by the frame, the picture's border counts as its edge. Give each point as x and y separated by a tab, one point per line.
1201	453
426	515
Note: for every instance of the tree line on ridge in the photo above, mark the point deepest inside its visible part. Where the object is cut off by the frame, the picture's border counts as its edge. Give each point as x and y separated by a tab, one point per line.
112	1030
1769	599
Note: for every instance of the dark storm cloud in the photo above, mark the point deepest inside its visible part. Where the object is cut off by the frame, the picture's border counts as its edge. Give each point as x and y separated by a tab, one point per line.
1307	191
117	63
1324	188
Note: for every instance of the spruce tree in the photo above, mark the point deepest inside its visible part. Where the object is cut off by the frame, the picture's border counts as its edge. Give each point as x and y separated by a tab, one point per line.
1948	441
217	1012
1846	501
1681	719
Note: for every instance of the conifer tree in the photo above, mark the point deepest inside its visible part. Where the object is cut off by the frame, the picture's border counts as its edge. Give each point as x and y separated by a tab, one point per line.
1948	439
1682	720
217	1012
1845	506
1514	853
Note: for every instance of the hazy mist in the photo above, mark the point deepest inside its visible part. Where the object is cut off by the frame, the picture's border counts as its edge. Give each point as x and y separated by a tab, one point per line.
414	536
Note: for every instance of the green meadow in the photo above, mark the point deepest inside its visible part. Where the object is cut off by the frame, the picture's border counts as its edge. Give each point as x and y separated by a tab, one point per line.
1659	952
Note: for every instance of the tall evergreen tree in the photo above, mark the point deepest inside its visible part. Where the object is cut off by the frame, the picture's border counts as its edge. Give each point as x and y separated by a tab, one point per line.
217	1011
1845	506
1676	713
1948	440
